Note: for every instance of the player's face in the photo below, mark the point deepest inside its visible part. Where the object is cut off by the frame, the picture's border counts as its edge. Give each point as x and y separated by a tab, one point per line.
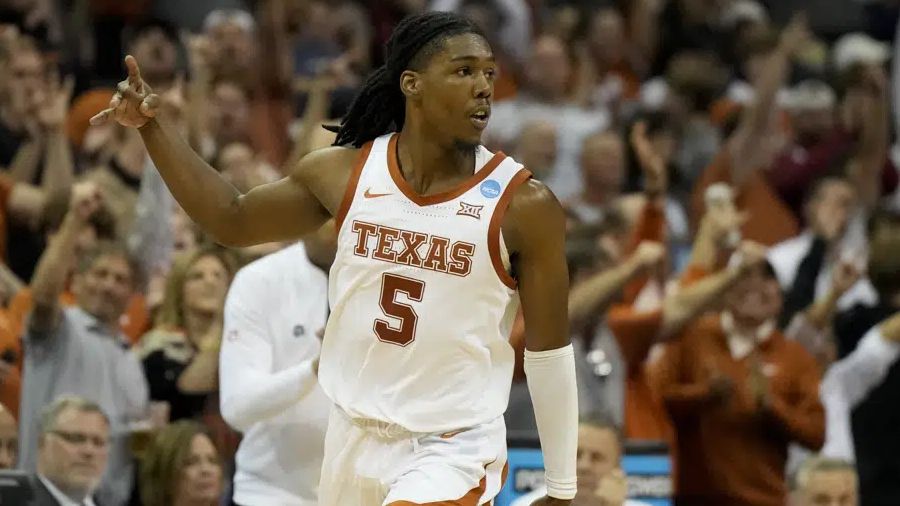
456	87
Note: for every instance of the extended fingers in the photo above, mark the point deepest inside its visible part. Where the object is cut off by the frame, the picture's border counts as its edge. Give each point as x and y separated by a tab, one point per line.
102	116
127	90
150	105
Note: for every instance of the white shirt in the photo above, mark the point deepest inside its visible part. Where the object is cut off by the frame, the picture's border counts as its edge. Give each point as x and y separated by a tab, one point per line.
741	345
275	308
786	256
847	383
540	492
62	498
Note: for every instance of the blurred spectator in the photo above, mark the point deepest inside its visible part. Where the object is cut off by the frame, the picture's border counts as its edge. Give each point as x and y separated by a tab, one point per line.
602	176
155	44
100	227
806	264
33	146
232	44
850	380
617	53
181	467
39	19
73	441
119	158
689	24
545	96
512	25
601	481
242	168
854	143
80	350
823	481
9	439
181	354
875	417
752	148
536	148
20	203
268	382
734	385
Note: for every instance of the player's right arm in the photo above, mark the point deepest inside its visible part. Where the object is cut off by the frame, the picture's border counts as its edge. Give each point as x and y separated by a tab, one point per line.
283	210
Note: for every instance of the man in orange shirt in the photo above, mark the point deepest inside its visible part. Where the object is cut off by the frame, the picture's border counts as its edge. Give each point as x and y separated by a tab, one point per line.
739	393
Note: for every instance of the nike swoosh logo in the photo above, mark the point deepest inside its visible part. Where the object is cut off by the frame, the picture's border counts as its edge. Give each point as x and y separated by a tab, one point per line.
370	195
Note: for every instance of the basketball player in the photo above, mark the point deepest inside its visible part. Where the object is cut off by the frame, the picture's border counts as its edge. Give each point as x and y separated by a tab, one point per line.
437	241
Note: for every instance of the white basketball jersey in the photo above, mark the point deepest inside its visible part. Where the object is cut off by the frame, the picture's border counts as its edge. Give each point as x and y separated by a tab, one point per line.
422	303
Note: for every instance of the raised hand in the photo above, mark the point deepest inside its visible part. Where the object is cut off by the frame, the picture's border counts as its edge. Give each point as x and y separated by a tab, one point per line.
648	254
54	109
134	103
85	201
844	275
652	165
613	489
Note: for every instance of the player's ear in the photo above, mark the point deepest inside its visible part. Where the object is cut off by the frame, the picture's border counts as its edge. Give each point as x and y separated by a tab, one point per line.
410	83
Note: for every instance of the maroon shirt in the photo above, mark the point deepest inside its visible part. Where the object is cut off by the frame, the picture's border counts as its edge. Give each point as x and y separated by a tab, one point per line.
795	169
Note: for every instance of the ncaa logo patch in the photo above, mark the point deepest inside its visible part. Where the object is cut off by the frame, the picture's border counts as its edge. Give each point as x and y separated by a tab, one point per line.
490	189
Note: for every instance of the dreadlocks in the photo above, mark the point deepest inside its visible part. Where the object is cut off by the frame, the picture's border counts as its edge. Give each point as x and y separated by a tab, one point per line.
380	106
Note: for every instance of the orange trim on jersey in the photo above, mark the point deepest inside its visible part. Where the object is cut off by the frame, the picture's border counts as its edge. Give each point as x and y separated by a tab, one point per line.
471	498
437	198
352	183
497	220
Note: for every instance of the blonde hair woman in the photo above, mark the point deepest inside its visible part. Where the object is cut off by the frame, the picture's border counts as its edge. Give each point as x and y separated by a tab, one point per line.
180	355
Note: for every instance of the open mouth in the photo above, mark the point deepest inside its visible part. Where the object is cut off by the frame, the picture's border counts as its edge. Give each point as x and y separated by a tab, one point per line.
480	119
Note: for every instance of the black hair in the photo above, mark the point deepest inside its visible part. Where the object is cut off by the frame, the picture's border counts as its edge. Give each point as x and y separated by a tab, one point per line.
380	106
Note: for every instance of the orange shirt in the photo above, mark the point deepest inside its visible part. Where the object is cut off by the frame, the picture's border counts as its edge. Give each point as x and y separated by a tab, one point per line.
636	332
731	452
10	384
770	220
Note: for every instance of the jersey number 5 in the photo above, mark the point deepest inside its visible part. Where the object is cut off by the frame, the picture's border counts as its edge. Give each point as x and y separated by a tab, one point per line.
405	332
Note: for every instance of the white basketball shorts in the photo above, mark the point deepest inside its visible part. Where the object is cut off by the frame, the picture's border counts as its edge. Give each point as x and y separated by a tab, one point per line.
369	463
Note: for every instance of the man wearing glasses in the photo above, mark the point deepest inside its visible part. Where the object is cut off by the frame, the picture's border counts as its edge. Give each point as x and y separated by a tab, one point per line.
72	453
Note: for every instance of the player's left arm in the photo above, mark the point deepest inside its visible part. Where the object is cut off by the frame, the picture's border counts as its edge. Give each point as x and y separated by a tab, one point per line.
534	231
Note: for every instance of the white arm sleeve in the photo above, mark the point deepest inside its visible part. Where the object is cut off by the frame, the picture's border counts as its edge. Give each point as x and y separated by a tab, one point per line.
249	391
554	394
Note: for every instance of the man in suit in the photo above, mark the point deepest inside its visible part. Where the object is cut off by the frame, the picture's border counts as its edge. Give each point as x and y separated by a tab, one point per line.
73	448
